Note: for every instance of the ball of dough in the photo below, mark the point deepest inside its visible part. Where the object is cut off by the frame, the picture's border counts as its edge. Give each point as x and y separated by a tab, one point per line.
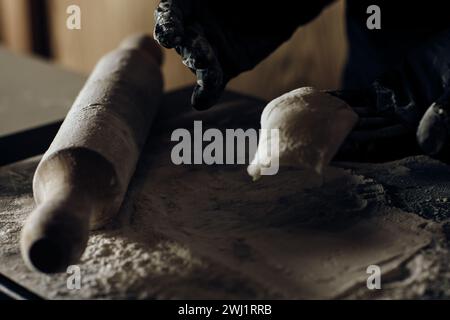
312	125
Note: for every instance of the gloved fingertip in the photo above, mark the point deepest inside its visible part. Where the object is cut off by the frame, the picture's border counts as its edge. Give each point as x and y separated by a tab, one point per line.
165	40
432	133
202	99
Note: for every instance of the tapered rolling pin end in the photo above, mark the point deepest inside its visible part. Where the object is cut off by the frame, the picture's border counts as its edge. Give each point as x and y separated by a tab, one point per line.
45	255
53	238
145	43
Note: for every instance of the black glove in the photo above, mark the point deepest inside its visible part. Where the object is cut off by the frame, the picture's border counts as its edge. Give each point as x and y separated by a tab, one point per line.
377	136
395	109
219	39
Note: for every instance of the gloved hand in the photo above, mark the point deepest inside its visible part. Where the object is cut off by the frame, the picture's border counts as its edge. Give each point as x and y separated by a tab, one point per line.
377	136
395	110
219	39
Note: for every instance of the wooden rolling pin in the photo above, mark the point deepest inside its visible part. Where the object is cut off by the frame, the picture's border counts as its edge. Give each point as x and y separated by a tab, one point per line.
81	181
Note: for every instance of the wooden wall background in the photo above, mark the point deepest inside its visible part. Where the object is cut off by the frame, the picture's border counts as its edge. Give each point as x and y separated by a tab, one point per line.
314	56
15	25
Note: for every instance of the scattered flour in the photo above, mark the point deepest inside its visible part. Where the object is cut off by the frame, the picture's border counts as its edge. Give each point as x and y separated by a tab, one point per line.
209	233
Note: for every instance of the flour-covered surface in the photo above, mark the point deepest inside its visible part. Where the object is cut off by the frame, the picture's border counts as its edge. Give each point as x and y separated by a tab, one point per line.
209	232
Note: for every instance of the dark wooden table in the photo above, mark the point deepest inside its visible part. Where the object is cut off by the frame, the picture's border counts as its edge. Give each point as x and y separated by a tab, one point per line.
242	248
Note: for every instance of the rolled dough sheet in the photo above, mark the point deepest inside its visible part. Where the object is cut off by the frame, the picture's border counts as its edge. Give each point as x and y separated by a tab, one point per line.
209	232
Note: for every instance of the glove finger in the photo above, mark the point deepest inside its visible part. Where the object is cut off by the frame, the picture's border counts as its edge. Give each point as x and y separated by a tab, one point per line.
209	88
432	133
199	56
169	27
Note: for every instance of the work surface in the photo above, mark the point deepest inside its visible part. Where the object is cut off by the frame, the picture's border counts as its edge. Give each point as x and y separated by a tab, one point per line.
210	232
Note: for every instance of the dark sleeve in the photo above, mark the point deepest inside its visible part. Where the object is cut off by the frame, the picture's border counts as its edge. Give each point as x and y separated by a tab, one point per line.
263	24
420	80
406	91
